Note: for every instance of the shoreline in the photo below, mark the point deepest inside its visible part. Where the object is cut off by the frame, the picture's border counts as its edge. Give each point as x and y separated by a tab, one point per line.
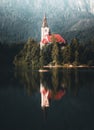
68	66
46	68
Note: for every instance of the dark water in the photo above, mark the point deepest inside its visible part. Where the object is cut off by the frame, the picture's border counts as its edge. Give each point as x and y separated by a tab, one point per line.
71	101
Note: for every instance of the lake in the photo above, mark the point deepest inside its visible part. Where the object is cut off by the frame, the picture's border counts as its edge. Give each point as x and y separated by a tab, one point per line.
59	99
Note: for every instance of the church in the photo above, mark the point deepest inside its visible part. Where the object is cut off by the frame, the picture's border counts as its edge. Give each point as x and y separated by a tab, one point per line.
46	36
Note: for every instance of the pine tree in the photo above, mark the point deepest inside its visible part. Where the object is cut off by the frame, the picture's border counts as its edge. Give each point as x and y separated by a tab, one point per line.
35	56
29	55
66	54
76	57
42	60
55	52
74	46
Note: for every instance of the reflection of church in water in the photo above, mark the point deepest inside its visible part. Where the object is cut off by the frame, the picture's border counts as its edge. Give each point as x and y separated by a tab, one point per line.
48	93
51	85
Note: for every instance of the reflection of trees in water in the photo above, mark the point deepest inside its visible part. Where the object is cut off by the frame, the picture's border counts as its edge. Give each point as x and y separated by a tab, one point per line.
71	80
74	79
56	79
66	78
76	87
45	79
52	80
29	79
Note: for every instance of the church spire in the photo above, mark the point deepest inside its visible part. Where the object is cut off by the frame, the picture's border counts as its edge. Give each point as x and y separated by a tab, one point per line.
44	24
44	30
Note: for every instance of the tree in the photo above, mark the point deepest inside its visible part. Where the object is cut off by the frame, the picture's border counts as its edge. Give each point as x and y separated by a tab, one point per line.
47	54
66	54
42	59
76	58
35	55
81	52
55	51
74	46
29	55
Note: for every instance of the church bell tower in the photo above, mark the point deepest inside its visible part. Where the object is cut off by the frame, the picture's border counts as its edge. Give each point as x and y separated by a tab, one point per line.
44	29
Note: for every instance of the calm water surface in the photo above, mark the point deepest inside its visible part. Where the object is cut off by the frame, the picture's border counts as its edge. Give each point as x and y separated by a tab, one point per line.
53	100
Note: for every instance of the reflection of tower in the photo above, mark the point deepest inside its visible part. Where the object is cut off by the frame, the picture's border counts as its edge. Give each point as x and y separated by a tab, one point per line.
44	96
92	6
44	100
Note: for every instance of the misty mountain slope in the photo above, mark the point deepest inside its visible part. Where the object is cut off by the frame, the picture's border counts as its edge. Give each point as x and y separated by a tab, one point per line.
82	24
84	35
20	19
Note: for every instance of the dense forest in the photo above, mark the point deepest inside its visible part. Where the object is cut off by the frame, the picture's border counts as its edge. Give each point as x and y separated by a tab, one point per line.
29	54
53	54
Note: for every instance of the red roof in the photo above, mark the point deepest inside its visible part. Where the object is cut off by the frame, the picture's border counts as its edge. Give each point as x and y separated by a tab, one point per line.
58	38
59	94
